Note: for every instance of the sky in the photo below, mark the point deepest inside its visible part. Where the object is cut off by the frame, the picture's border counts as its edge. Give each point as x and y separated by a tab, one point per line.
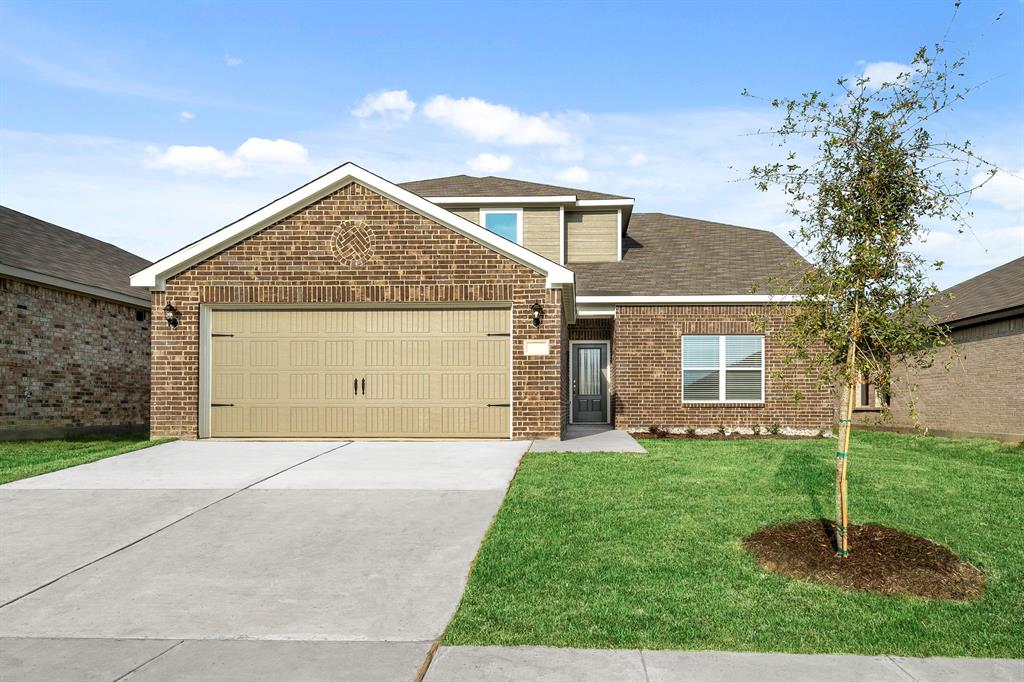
149	125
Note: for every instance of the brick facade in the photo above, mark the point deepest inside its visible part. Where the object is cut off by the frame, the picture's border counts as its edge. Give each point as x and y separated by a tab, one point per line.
410	259
70	364
647	374
981	394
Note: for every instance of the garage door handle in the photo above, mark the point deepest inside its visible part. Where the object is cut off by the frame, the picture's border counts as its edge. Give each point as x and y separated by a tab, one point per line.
499	405
355	387
364	386
222	404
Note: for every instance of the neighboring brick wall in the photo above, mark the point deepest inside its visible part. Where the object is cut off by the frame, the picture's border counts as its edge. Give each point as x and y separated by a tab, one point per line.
646	358
70	364
981	395
412	260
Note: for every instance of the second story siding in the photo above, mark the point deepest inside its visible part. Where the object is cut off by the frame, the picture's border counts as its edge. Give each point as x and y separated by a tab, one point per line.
592	237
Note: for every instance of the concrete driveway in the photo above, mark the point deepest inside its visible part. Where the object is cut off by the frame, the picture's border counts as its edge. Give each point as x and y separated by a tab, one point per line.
233	560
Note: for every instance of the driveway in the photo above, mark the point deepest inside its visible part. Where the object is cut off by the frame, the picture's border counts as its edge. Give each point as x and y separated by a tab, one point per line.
233	560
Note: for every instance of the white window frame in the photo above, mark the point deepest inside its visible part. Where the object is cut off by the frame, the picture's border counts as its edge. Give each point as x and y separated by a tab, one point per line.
484	212
721	369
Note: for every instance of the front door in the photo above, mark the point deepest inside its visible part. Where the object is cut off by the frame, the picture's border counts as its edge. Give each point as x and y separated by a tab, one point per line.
589	383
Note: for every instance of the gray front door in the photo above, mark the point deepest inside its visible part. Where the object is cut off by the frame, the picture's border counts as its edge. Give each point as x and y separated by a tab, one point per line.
589	383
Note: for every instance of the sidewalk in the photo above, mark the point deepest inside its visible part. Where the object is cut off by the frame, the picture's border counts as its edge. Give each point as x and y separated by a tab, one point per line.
543	664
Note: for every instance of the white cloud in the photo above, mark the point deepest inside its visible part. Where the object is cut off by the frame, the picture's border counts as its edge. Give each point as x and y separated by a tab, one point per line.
637	159
232	61
260	150
206	160
490	163
573	174
186	116
184	159
388	103
885	72
1005	190
486	122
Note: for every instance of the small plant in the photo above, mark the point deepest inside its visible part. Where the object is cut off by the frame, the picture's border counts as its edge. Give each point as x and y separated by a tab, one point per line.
774	428
657	432
721	429
756	429
691	432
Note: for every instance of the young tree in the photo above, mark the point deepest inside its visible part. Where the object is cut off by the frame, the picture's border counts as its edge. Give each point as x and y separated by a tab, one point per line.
863	199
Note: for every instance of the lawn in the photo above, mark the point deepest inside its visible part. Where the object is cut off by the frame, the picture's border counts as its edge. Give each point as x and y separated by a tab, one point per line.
643	551
21	459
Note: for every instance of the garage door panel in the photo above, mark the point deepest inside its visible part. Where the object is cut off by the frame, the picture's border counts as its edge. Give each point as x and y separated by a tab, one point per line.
406	373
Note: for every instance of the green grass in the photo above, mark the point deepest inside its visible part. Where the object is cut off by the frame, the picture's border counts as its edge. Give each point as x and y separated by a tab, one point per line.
21	459
635	551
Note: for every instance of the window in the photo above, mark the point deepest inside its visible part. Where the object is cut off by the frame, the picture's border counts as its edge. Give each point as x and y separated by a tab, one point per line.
505	222
719	369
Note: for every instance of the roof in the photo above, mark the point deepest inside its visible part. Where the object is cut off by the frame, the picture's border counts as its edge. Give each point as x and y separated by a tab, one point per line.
991	292
666	255
491	186
36	250
156	275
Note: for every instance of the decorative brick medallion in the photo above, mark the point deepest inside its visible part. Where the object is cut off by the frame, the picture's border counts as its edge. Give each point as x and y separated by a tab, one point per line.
352	243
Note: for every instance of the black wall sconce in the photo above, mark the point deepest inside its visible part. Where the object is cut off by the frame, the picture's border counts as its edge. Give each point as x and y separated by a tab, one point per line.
538	312
171	315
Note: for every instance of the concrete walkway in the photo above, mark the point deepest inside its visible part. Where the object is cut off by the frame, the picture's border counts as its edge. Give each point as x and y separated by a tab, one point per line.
243	560
542	664
590	438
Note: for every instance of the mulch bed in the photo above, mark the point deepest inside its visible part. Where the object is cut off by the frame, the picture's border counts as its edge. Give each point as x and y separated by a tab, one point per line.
882	560
641	435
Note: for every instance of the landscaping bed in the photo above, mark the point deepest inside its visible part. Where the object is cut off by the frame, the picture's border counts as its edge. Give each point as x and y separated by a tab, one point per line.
604	550
882	559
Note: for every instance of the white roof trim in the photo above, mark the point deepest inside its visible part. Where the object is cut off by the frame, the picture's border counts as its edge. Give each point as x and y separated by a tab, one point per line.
77	287
510	200
723	299
605	202
569	199
156	275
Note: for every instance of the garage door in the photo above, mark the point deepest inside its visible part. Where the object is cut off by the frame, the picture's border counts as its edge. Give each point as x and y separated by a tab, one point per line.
363	373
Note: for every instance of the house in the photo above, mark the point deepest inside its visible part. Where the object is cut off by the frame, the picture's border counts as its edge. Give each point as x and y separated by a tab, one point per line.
981	394
74	345
467	307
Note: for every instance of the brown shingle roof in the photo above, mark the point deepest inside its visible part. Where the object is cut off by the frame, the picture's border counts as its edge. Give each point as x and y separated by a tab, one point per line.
666	255
491	186
998	289
41	247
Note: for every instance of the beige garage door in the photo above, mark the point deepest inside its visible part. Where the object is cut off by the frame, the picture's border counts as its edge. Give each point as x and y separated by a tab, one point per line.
363	373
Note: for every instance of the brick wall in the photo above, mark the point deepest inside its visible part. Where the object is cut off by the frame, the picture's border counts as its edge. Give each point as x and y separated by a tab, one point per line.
982	394
70	364
410	259
646	358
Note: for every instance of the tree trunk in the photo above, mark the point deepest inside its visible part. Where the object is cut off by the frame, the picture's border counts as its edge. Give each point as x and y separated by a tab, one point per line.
845	427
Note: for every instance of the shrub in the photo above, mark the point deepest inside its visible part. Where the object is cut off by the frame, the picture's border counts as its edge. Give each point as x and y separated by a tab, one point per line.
721	429
757	429
774	428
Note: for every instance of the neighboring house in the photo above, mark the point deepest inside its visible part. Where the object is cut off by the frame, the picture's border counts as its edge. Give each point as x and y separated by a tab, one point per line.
74	345
467	307
983	392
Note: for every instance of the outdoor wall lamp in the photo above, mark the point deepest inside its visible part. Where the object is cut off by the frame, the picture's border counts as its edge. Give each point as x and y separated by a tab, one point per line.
538	310
171	315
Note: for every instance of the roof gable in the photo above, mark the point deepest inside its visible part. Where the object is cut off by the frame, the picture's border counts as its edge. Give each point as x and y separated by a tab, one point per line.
36	250
156	275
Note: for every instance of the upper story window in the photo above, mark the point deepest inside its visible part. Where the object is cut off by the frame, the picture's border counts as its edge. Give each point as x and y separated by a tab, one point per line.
723	369
504	222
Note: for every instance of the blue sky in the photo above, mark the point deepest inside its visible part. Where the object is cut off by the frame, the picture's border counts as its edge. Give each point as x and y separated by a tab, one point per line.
149	125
